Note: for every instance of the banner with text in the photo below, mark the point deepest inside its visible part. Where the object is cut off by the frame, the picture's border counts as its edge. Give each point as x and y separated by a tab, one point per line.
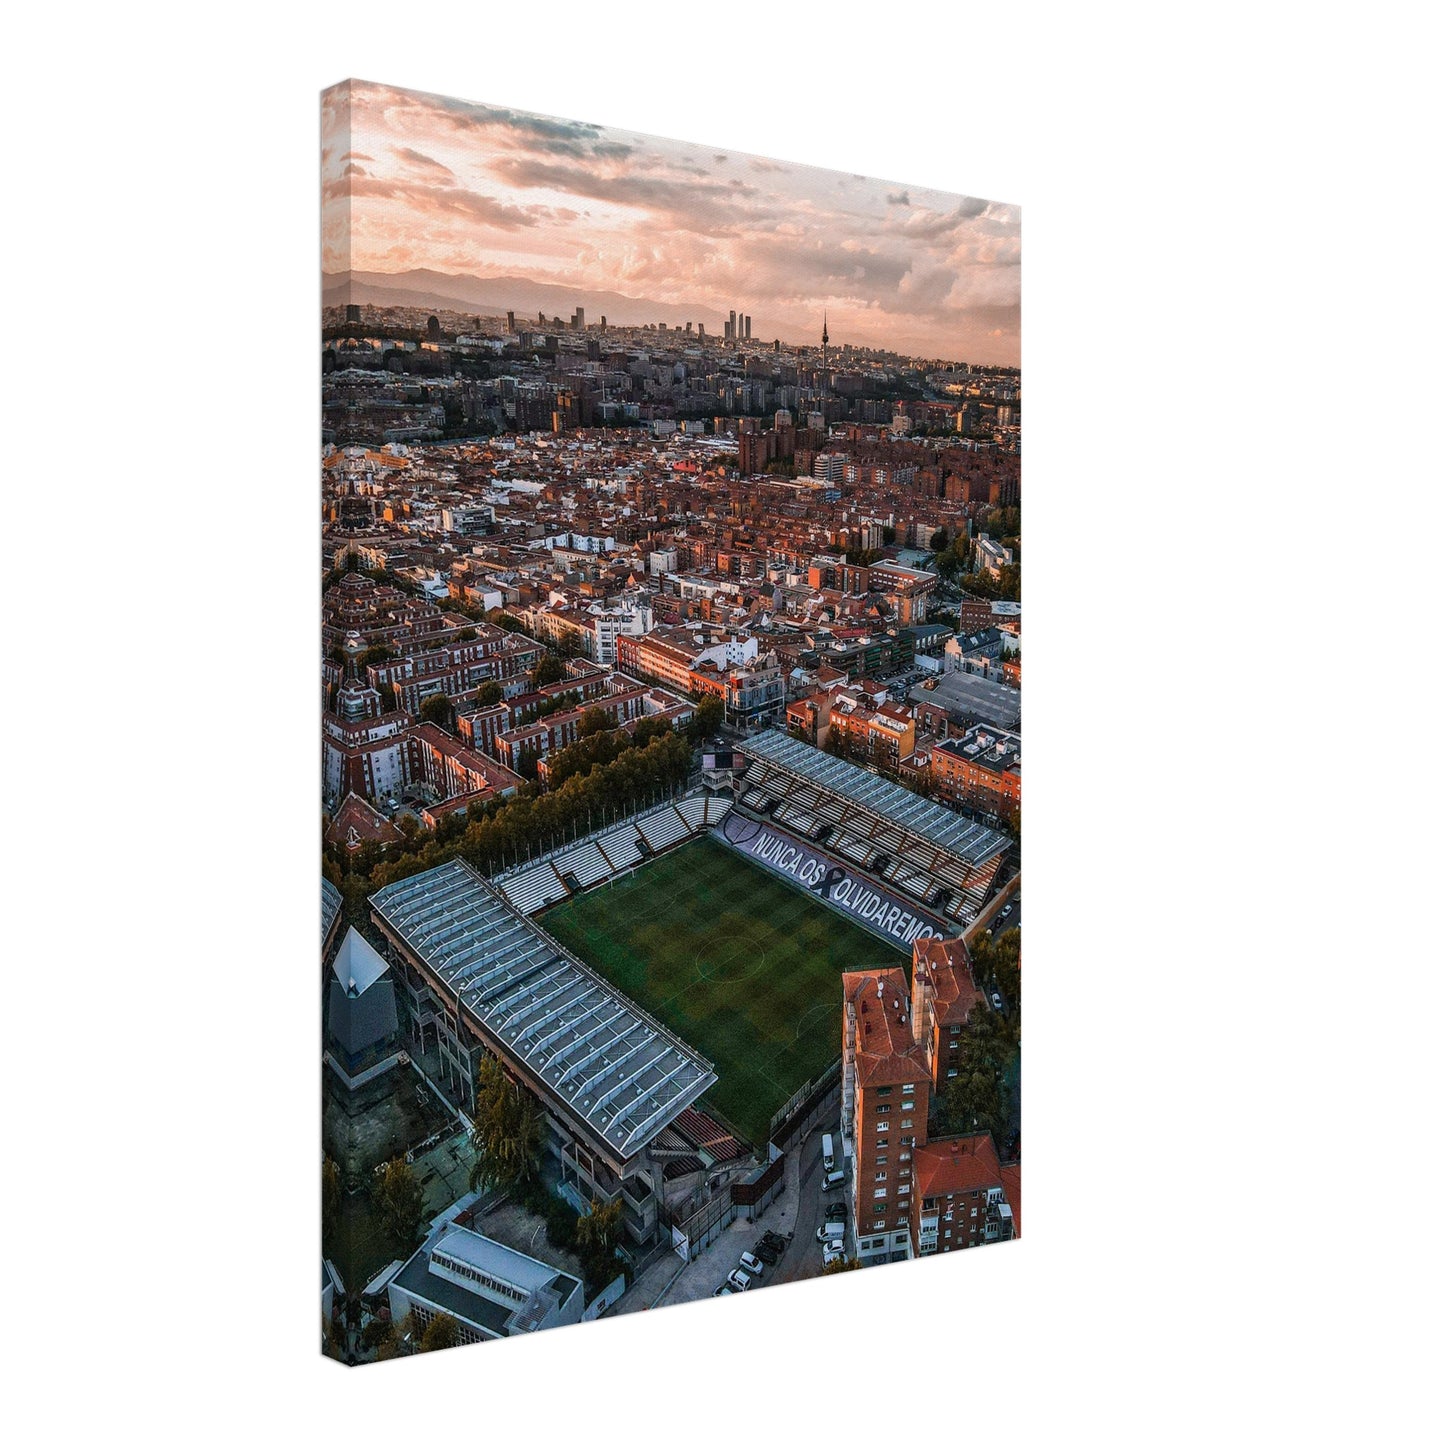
859	895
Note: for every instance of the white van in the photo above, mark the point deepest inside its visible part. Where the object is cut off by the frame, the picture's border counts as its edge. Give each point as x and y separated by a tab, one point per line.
832	1179
828	1160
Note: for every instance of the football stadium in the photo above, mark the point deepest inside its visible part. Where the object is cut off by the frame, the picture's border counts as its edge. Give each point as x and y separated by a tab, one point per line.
742	965
684	961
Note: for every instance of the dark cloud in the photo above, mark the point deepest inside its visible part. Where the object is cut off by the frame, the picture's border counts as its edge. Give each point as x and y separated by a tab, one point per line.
901	199
686	205
431	200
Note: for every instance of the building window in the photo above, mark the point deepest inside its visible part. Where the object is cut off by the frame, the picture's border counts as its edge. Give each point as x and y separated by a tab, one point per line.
880	1176
882	1126
880	1193
908	1088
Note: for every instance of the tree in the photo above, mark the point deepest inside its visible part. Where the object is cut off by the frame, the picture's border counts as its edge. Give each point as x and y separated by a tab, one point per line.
330	1199
467	634
549	668
594	720
939	540
890	536
506	1130
441	1334
375	654
841	1266
489	694
649	728
707	719
437	709
399	1199
601	1227
975	1098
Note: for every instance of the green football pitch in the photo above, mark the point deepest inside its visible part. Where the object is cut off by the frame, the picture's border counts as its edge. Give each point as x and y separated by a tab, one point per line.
741	965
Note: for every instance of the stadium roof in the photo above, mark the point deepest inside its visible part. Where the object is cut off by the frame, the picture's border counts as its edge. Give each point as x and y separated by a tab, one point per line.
612	1068
330	907
891	802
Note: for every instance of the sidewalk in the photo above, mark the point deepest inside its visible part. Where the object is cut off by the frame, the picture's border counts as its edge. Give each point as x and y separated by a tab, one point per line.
668	1280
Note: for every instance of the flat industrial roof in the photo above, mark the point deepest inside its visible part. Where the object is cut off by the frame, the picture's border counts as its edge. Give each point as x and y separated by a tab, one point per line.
613	1068
979	697
894	804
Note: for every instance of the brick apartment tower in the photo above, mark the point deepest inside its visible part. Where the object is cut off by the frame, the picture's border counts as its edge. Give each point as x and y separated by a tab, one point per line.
944	995
885	1091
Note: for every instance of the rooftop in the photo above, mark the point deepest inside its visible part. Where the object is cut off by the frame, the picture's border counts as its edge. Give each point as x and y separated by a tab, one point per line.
884	1049
953	1166
944	964
967	692
358	965
613	1068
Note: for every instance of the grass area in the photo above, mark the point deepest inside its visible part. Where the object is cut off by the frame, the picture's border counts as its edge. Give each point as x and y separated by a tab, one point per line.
734	960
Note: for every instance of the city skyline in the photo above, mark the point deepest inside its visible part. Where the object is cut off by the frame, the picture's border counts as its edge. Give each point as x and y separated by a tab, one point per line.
429	183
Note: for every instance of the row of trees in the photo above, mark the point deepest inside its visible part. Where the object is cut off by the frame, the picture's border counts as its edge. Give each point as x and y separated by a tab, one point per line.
978	1097
506	831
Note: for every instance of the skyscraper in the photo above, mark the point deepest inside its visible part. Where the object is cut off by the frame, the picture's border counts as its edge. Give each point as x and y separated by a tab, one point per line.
747	328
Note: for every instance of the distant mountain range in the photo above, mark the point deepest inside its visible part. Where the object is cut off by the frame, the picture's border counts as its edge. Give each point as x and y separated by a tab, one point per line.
496	295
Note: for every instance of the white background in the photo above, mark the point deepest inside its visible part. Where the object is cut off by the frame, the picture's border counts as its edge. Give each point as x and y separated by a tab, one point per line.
1232	329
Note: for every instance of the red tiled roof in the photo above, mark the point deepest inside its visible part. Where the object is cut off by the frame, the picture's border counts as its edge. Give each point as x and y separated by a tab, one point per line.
954	1166
944	963
1012	1175
370	826
884	1048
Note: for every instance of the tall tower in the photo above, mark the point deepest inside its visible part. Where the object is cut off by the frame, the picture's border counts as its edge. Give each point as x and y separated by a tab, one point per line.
825	341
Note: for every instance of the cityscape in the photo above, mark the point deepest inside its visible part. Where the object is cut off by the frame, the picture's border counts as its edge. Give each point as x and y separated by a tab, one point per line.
671	723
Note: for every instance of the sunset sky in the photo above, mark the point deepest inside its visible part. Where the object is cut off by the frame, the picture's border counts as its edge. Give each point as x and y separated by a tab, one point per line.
470	189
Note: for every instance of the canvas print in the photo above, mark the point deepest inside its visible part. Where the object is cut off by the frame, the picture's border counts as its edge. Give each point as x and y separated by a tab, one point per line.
671	651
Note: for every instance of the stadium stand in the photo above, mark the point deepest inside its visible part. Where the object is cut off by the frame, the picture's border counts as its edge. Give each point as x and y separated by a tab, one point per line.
594	1057
610	852
923	849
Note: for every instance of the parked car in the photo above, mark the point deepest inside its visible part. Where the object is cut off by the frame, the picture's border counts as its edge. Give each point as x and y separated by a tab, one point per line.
832	1252
739	1279
833	1180
997	1001
777	1241
766	1252
836	1211
751	1263
722	1289
832	1231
